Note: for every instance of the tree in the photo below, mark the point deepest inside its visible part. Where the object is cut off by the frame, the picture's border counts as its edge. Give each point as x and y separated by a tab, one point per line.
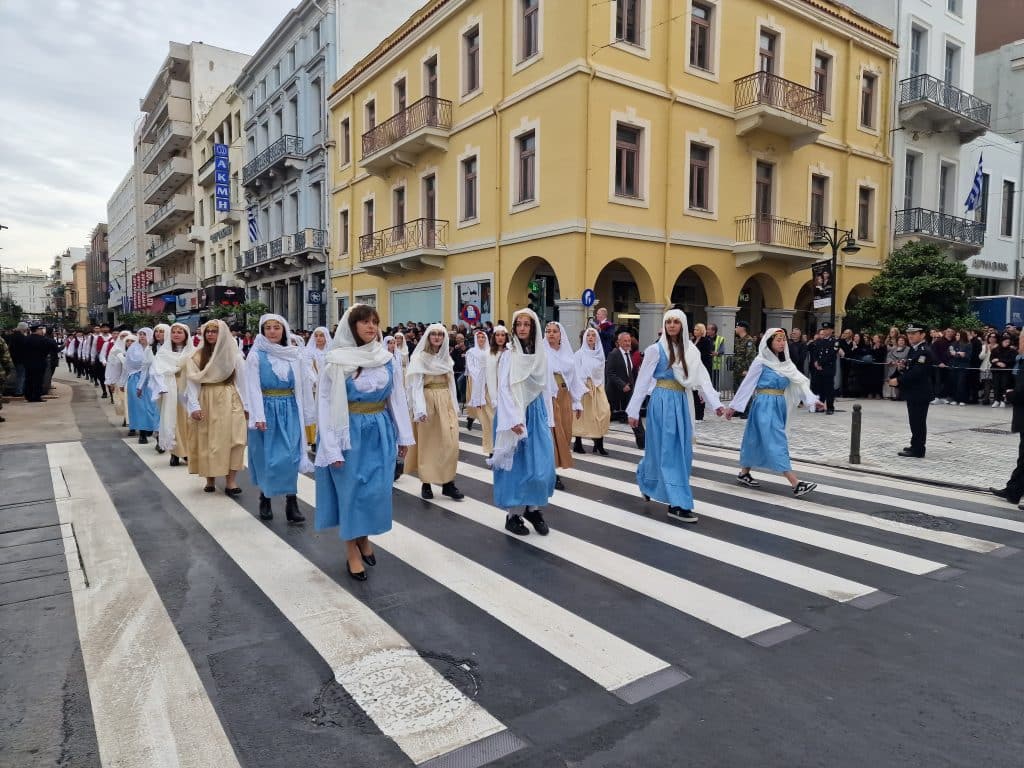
245	315
917	284
10	313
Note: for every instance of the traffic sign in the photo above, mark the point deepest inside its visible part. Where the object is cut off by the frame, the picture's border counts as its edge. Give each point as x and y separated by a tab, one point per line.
470	313
588	298
314	297
534	286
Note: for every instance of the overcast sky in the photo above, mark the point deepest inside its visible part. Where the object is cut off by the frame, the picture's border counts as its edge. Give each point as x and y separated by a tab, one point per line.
71	76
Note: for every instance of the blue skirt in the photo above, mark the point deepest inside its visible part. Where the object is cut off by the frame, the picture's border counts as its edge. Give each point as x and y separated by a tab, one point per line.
143	414
664	471
356	496
765	444
273	455
531	481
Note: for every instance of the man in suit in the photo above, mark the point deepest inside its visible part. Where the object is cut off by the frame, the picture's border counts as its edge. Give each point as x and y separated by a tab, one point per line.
620	375
1013	491
914	378
39	351
823	354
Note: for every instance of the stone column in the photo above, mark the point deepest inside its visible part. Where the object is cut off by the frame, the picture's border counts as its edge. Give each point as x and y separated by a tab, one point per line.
650	322
573	317
295	304
780	318
266	296
725	319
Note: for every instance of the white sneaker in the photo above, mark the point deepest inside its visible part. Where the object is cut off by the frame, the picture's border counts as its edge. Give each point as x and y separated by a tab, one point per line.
961	404
949	402
995	403
1002	404
937	401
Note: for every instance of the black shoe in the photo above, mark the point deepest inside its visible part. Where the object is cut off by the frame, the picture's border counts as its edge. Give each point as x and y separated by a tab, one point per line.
159	449
682	515
469	423
266	511
370	559
209	488
175	461
357	575
906	452
232	492
426	491
830	411
291	510
747	479
104	396
514	524
143	440
646	497
399	468
537	521
558	484
599	446
1000	492
449	490
802	488
577	445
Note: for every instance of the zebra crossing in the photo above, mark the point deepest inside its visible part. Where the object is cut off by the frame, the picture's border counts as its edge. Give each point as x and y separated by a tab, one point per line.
755	575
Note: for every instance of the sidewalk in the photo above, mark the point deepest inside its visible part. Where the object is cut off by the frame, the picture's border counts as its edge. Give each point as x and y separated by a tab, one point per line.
970	446
49	421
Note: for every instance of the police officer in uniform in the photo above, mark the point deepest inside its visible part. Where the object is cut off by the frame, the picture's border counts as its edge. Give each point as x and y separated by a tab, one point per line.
914	378
824	354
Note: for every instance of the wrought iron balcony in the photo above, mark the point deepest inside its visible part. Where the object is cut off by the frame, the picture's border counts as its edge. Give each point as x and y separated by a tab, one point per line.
398	249
179	283
964	237
284	153
170	178
767	102
930	104
760	237
285	251
424	124
309	240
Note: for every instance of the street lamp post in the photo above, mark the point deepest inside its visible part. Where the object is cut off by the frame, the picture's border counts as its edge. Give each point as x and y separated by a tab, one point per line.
838	239
124	275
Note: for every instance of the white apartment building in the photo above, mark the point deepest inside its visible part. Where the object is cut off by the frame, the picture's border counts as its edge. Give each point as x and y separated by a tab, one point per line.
28	288
191	78
121	241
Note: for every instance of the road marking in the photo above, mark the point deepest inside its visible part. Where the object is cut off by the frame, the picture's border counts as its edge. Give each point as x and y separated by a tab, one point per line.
410	702
850	547
721	611
149	705
604	658
796	575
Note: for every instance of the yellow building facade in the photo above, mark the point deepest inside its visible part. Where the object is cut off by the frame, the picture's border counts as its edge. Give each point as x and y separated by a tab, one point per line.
495	153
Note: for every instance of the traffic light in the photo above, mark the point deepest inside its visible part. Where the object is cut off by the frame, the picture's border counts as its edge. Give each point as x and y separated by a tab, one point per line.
532	299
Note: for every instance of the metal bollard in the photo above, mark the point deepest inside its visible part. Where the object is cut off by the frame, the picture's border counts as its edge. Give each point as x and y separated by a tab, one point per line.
855	435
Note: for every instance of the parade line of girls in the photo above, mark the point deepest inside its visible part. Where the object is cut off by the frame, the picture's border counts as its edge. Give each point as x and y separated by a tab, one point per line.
364	406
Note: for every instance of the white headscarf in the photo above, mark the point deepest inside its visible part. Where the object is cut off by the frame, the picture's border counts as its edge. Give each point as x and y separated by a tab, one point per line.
281	357
690	376
590	362
528	379
476	369
118	352
492	363
313	353
560	360
344	358
798	383
401	349
163	374
223	361
139	357
423	363
165	330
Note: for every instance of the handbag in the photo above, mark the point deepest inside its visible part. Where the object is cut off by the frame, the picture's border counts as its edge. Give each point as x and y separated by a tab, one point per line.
640	435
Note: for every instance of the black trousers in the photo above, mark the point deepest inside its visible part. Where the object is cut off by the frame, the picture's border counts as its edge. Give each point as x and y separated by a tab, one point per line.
34	383
823	385
917	413
1015	485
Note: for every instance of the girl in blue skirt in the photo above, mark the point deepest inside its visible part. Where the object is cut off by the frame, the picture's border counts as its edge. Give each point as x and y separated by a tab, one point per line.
143	416
777	387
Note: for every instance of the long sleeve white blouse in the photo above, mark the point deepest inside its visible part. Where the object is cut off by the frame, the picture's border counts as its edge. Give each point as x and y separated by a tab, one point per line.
645	383
746	391
508	412
192	391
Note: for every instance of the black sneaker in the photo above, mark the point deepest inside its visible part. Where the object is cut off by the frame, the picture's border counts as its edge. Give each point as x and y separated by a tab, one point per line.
514	524
802	488
682	515
449	490
747	479
558	484
537	521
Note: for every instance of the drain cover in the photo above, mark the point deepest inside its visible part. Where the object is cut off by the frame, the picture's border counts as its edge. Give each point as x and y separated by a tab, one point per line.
920	519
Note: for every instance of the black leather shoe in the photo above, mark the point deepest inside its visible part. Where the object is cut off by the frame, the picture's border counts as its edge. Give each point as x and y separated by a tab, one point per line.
1000	492
599	446
449	490
469	423
266	511
559	486
357	575
682	515
143	439
232	492
291	510
537	521
907	453
577	445
426	491
370	559
175	461
514	524
159	449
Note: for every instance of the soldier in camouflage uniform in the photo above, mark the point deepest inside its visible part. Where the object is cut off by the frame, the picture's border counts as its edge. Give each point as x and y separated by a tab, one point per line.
6	369
744	352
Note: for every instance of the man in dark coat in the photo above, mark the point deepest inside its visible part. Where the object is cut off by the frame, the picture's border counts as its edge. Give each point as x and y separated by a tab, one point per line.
823	355
914	379
1014	489
798	349
37	352
620	375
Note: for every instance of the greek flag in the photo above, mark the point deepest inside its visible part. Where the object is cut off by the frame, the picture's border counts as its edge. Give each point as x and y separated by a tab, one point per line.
254	227
974	198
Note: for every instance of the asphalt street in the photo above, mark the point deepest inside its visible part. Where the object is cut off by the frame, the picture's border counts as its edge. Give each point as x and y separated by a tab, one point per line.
875	622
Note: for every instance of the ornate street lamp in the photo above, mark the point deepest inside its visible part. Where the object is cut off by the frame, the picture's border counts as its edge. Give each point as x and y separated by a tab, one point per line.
837	239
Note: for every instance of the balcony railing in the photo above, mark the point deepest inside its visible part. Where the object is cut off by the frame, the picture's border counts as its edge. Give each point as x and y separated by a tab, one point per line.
309	239
428	112
773	230
949	97
428	234
301	242
176	243
942	226
768	90
286	146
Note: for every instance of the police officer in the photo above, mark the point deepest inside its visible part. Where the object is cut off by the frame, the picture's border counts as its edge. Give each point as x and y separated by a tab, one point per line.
914	378
824	354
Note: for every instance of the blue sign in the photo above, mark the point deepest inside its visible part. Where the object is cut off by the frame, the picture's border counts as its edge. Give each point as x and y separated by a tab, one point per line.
588	298
314	297
221	178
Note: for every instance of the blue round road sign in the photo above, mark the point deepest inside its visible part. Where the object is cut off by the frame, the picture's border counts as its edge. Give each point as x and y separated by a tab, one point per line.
588	297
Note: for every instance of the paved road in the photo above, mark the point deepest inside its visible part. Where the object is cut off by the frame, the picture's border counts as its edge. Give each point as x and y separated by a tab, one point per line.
145	623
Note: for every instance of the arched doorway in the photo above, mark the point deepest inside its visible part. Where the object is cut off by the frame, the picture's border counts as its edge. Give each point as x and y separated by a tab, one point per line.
759	292
805	318
853	298
694	290
620	286
534	284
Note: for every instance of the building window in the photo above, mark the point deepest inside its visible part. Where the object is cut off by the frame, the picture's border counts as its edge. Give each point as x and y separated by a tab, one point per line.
823	78
627	160
345	137
981	211
316	38
700	36
471	53
946	188
766	54
819	198
628	21
865	208
368	217
275	76
916	51
399	209
954	7
700	177
370	114
430	86
400	99
868	81
909	181
290	60
343	230
526	167
951	65
530	24
469	187
1006	221
318	106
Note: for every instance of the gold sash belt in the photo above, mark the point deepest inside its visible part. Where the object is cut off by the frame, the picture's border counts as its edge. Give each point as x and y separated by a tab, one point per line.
769	391
672	384
366	407
436	385
278	392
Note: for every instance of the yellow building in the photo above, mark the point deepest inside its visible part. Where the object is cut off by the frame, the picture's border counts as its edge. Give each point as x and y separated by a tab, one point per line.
656	151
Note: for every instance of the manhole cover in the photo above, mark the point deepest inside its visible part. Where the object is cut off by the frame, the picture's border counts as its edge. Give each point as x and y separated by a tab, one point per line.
990	430
920	519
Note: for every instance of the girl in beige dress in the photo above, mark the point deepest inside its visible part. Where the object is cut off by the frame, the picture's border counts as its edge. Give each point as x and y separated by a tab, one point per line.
314	353
479	401
597	414
170	382
435	408
570	390
215	403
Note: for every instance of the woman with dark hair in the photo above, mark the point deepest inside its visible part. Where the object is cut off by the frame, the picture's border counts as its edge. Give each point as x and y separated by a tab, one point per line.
597	413
897	353
960	352
280	397
363	428
670	372
569	392
217	405
169	384
481	398
143	416
1002	358
873	371
524	453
